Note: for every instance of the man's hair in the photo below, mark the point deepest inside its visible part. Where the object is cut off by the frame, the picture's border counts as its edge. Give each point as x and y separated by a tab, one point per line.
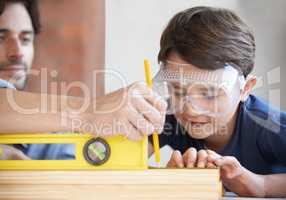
209	38
32	8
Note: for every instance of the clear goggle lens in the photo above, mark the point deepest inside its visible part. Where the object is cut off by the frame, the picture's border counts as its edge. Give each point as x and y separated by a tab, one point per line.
204	92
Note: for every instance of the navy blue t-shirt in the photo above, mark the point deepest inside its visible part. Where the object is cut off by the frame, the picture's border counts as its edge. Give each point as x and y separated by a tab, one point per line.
258	141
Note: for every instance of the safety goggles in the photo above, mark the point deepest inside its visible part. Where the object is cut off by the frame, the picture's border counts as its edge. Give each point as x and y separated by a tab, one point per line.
204	92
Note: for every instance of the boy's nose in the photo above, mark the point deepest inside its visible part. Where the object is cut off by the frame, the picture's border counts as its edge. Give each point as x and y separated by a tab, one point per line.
191	110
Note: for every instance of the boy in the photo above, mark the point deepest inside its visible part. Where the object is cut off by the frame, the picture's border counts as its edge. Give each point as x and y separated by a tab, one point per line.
206	57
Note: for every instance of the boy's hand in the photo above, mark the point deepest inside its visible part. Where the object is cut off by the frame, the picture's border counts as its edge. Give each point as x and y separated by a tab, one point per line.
237	178
190	159
10	153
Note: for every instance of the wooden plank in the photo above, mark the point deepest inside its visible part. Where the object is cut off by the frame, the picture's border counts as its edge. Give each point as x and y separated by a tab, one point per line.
197	184
241	198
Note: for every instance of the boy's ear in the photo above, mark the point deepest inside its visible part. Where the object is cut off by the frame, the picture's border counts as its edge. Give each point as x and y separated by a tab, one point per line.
248	87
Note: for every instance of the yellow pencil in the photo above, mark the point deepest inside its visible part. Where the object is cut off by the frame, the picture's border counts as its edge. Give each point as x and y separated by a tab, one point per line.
155	134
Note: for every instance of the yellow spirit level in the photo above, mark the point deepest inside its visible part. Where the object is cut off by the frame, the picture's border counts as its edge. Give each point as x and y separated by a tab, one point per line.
112	153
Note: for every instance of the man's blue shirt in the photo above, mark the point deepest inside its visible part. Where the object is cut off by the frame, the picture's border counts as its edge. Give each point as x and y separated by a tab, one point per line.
43	151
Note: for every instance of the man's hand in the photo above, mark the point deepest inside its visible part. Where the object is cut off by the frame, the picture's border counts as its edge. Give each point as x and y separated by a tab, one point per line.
10	153
134	111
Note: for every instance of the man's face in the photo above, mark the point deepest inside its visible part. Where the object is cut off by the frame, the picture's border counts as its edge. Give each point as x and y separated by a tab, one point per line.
16	44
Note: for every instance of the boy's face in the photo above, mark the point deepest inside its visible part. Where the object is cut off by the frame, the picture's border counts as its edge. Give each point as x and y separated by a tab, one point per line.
16	44
197	124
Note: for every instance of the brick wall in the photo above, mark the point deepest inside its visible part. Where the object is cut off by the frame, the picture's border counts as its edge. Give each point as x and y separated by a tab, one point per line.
72	43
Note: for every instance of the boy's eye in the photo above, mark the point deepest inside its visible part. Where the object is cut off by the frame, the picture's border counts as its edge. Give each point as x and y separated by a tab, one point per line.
210	95
179	92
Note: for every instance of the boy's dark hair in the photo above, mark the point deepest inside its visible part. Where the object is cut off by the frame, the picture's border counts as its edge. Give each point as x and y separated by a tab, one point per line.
32	8
208	38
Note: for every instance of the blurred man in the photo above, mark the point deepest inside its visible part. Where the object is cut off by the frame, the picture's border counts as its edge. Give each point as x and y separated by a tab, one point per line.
19	24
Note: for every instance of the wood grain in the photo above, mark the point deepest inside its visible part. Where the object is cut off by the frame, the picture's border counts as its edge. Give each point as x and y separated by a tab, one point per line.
197	184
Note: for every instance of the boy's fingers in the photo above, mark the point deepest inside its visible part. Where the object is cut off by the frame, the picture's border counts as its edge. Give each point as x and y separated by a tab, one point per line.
211	165
213	153
202	159
176	160
227	161
212	156
230	166
190	157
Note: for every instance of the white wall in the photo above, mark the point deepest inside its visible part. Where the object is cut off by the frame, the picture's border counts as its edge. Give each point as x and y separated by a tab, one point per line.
133	33
268	20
